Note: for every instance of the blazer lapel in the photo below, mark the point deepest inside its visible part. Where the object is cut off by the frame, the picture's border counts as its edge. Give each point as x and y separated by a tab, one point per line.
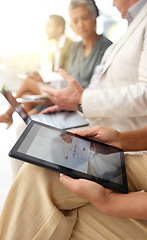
131	28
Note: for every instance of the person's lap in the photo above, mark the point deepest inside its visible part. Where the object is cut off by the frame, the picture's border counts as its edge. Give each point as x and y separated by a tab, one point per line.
40	207
92	224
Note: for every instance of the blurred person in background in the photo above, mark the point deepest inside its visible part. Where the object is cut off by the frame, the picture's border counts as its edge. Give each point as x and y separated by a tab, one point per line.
84	55
117	94
55	29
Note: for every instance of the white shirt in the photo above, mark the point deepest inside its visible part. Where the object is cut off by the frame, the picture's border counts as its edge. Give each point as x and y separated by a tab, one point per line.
134	10
131	14
60	45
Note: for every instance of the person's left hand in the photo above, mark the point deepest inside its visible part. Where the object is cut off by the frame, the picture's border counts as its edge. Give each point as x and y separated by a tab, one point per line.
91	191
67	98
103	134
36	76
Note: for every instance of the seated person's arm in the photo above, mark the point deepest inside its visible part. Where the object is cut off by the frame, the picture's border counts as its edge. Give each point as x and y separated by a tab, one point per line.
67	98
131	205
133	140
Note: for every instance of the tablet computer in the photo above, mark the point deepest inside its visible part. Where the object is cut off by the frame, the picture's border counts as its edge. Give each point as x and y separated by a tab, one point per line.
72	155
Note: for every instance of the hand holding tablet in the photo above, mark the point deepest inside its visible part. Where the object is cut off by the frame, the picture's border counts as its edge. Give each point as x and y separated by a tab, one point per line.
72	155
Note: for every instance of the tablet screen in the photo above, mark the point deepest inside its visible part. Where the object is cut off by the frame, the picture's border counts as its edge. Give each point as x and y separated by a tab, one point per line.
73	155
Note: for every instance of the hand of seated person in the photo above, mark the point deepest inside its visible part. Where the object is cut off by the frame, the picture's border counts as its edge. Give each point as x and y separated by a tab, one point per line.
67	98
51	109
106	200
91	191
36	76
102	134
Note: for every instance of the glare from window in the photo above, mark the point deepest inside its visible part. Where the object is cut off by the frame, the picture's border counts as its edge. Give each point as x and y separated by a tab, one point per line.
23	41
20	26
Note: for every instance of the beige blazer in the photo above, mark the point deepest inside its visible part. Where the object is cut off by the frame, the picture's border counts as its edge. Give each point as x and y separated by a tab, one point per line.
121	99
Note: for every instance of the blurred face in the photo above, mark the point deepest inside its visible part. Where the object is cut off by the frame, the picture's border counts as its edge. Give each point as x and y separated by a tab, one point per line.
82	21
124	5
51	29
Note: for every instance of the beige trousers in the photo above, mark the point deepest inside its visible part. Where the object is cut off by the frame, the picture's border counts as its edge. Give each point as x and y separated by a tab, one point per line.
39	207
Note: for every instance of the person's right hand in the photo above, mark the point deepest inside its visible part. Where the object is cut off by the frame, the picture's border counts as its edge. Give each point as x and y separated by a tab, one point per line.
67	98
102	134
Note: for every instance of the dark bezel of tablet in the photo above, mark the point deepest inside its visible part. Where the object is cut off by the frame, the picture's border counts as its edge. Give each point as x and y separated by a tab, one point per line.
70	172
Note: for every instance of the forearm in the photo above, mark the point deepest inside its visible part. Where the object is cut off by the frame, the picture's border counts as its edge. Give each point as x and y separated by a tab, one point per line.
131	205
134	140
115	103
